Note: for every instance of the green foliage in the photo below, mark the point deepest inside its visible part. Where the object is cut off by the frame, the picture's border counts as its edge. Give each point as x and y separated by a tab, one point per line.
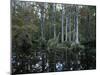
87	24
28	42
53	43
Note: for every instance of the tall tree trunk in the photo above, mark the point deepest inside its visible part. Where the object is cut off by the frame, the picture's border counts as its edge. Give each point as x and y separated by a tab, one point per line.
42	20
66	27
62	26
42	35
54	8
70	9
76	26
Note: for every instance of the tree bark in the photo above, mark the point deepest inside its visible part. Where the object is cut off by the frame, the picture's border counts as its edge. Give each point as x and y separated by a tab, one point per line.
76	26
42	19
66	27
62	27
54	8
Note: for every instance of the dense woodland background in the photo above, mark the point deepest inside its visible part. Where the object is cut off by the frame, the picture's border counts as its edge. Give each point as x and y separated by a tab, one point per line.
50	37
